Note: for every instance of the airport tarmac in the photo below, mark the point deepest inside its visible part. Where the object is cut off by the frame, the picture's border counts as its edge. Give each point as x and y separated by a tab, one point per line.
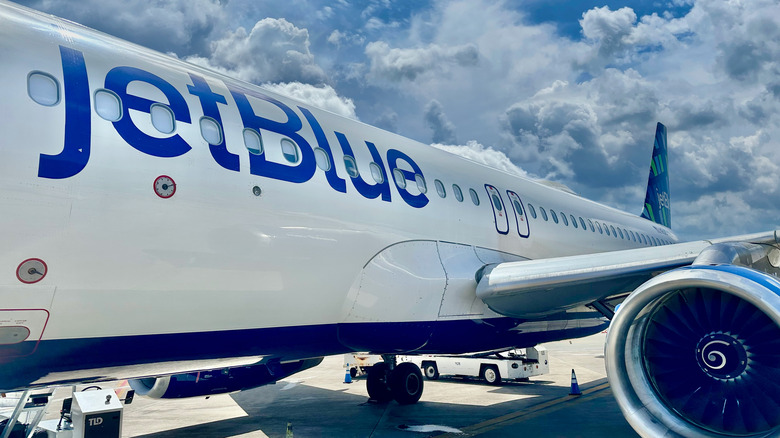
317	403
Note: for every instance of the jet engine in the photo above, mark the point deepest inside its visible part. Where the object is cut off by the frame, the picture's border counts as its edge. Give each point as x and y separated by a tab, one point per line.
219	381
696	351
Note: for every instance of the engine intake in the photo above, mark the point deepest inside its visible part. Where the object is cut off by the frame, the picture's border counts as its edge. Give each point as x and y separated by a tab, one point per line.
218	381
696	352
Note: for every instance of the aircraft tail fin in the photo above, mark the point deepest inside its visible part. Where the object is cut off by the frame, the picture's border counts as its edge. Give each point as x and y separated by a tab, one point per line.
657	200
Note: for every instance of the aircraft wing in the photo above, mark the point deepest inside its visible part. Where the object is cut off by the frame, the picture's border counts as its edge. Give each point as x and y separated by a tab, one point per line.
536	288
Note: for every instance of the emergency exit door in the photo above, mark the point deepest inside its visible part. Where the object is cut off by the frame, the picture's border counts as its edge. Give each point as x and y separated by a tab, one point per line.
520	217
499	211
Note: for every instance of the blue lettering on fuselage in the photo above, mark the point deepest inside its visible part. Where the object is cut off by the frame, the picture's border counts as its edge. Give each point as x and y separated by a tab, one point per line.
208	102
258	165
117	80
75	153
418	201
369	191
76	149
336	182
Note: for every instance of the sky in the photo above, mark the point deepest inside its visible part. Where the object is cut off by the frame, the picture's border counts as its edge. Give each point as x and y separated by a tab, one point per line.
568	91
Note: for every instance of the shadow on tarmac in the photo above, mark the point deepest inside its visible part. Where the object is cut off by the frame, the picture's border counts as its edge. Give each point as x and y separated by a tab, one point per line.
542	409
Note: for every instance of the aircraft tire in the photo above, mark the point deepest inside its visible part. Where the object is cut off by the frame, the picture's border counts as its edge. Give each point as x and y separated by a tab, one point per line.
406	383
377	383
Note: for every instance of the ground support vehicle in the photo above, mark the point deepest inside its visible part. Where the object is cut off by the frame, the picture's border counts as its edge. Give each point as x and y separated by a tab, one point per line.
490	366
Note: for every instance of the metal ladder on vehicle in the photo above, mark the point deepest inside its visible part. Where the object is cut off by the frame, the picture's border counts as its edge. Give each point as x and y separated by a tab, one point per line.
28	403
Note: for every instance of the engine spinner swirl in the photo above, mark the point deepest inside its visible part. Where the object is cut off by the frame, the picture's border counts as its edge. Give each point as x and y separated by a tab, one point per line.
721	356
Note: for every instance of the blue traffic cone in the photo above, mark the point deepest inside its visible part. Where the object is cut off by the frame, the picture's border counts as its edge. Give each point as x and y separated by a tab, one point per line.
347	376
575	387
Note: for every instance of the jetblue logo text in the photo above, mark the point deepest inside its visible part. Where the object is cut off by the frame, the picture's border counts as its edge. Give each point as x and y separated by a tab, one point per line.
76	146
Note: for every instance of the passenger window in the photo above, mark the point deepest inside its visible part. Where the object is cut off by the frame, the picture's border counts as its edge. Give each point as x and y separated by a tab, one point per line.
43	88
162	118
440	188
573	221
475	198
621	233
351	166
376	173
497	203
606	229
582	222
644	239
420	180
518	208
590	222
322	159
108	105
563	218
290	151
400	178
458	193
254	142
532	210
598	225
544	213
614	234
210	131
554	216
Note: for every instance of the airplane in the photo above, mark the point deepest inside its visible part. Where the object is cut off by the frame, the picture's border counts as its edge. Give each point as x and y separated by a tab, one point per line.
196	234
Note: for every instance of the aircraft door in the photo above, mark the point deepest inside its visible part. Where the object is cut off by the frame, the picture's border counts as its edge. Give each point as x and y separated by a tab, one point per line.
520	218
499	211
24	315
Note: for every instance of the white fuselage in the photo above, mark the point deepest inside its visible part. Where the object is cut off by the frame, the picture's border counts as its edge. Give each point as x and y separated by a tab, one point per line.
123	261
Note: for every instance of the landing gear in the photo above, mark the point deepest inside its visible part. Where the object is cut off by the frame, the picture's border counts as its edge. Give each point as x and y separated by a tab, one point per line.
402	382
406	383
378	384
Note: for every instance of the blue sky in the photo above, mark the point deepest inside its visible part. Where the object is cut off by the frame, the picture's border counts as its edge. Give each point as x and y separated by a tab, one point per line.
567	91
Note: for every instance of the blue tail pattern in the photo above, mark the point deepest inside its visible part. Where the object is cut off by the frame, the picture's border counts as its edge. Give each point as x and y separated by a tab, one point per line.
657	199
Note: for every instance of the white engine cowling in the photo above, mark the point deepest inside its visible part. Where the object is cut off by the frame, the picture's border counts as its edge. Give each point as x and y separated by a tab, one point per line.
696	352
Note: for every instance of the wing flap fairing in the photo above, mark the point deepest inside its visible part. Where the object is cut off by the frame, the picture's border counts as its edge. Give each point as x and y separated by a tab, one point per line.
537	288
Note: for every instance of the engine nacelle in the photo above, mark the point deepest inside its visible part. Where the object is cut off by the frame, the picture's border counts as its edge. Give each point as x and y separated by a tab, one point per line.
218	381
696	352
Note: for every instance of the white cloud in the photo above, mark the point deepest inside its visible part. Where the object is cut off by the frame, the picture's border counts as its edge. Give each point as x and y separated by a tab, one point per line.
443	129
387	121
324	13
608	29
324	97
180	26
339	38
407	64
274	50
484	155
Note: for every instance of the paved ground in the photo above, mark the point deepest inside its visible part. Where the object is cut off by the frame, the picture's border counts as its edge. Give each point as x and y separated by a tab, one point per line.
318	404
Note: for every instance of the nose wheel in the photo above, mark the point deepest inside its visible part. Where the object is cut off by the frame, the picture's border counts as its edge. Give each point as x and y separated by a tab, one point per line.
403	383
